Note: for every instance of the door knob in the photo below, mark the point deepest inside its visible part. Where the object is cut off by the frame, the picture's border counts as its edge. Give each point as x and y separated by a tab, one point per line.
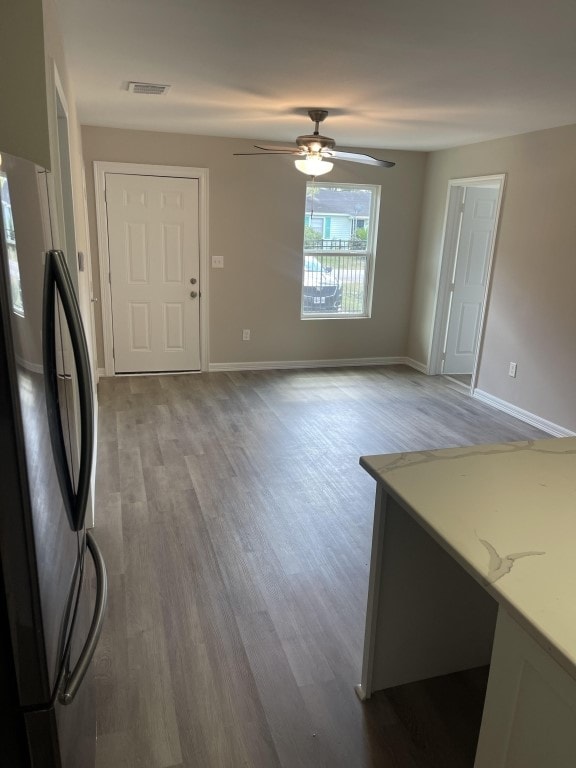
193	294
193	280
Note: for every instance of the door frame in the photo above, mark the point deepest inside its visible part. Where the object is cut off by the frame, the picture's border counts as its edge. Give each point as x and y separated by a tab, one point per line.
63	216
101	168
61	173
450	238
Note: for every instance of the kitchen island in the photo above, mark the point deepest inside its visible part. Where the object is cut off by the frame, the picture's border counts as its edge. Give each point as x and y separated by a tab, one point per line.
474	562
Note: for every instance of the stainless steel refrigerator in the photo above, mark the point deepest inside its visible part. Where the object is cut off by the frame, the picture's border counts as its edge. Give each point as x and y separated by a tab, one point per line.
52	575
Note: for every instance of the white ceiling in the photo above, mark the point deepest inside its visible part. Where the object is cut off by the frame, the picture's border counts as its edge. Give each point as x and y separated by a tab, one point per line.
402	74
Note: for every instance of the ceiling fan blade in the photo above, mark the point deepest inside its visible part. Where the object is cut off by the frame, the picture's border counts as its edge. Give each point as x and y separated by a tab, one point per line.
277	148
358	158
238	154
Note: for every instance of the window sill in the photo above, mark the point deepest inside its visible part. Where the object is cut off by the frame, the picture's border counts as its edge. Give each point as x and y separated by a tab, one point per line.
334	316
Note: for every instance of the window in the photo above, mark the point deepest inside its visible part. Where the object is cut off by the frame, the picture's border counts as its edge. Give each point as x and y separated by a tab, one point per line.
15	286
340	224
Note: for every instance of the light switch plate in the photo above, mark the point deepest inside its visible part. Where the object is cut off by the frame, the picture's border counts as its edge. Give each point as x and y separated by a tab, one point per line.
217	262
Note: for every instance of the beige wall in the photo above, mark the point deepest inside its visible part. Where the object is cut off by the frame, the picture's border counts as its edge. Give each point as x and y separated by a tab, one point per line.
531	316
55	56
256	212
24	122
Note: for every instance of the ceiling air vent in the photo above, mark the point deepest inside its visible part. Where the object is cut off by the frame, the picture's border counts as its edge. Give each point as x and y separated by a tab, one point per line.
151	89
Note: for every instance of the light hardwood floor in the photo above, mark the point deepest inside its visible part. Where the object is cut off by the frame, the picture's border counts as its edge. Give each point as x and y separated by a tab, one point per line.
236	524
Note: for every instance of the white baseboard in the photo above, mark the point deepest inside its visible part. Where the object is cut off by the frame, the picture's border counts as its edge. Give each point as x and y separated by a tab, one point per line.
99	373
417	366
270	365
287	364
530	418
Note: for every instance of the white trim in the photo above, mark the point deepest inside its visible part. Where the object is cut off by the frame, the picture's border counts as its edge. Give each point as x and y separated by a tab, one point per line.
90	279
101	168
370	253
99	373
283	364
479	181
450	234
530	418
132	374
286	364
56	212
59	180
416	365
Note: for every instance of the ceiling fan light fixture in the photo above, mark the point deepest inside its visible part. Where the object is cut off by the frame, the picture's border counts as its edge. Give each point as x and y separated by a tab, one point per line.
313	166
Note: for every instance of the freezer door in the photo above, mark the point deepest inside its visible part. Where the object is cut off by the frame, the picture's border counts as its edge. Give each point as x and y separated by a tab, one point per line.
69	728
76	722
76	715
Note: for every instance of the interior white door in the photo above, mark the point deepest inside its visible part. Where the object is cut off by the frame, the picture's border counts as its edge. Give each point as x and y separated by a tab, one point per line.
469	282
153	241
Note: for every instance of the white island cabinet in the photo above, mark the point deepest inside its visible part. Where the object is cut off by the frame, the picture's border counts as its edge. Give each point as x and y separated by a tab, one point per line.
474	562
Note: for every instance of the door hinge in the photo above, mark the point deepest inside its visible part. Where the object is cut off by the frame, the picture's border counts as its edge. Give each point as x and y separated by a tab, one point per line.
110	277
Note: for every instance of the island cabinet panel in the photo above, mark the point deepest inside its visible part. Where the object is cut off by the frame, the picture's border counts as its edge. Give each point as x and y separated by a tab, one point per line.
529	718
430	617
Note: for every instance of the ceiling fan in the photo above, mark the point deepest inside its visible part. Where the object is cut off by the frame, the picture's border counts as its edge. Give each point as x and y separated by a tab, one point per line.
314	151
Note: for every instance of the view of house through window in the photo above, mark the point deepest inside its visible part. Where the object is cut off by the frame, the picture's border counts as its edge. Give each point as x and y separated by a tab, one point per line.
340	224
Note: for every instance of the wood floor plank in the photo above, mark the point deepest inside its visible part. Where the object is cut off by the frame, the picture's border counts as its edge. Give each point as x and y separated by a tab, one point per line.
108	466
109	533
283	704
214	688
131	476
236	523
111	664
117	749
153	716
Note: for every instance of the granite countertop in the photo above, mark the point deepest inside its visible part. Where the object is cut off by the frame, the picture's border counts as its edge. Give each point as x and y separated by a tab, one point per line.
507	513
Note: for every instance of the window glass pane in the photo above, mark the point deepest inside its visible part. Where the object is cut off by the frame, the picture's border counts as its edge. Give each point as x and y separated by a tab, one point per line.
15	287
338	249
339	214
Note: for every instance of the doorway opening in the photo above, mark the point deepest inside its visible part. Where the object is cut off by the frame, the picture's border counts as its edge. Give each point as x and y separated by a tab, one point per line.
470	229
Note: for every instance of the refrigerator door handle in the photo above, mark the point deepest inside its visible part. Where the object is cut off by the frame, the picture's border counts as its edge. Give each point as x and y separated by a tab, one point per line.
51	376
74	679
57	277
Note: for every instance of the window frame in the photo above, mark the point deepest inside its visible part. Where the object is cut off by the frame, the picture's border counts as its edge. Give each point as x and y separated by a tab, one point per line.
16	297
370	251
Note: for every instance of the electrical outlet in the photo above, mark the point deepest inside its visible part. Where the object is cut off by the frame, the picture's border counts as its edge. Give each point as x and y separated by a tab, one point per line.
217	262
246	334
512	370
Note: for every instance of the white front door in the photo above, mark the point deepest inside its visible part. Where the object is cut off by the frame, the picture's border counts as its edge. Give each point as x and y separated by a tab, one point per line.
470	275
153	240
